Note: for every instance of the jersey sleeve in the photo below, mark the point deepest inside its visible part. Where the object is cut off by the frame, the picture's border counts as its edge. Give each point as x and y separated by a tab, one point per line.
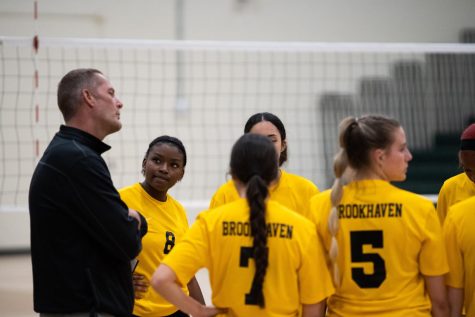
312	190
319	210
217	199
191	254
455	277
222	195
314	277
433	259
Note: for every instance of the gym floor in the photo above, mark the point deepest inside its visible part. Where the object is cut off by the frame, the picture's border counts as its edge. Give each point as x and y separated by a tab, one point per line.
16	286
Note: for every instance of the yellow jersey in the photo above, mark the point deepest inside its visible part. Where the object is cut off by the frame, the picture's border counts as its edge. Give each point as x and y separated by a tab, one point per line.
387	239
460	243
454	190
220	240
292	191
167	224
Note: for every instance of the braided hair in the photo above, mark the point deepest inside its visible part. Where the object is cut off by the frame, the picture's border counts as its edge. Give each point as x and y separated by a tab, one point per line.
254	163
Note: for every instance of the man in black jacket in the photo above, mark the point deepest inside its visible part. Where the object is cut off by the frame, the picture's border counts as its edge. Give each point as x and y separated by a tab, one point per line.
83	236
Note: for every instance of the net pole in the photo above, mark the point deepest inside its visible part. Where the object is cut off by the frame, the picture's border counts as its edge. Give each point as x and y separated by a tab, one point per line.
36	102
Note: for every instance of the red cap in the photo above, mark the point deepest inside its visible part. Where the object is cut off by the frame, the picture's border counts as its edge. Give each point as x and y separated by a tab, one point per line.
467	142
469	133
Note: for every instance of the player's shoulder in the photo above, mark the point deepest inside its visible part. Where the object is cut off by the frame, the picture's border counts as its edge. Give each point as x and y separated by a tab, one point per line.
454	180
231	209
224	190
410	197
226	186
280	213
318	204
172	200
461	206
298	180
129	189
321	196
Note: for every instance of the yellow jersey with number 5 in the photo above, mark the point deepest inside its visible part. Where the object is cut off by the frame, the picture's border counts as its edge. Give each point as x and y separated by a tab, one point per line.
220	240
388	239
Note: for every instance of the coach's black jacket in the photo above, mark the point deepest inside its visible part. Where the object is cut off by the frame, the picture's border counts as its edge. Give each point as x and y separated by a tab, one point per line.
82	239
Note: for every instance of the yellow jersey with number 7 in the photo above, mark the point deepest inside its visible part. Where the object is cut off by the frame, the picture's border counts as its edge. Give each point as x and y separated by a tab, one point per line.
220	240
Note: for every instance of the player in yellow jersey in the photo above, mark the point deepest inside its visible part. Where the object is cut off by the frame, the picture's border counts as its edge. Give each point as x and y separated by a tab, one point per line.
461	186
460	242
163	165
263	259
384	244
292	191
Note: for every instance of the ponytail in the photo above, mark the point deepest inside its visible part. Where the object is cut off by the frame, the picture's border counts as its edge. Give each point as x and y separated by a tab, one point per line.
254	162
256	194
341	170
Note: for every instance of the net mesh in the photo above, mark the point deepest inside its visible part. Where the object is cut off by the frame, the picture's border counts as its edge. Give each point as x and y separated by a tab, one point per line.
203	93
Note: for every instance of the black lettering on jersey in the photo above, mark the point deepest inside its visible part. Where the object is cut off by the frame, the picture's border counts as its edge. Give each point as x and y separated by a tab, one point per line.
170	242
378	211
370	212
361	211
279	230
225	228
232	226
341	210
246	254
238	228
358	240
398	210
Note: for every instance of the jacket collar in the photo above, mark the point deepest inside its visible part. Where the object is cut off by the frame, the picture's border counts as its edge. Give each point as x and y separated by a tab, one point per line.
84	138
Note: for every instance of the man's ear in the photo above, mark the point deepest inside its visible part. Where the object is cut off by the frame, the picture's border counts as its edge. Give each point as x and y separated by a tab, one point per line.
88	97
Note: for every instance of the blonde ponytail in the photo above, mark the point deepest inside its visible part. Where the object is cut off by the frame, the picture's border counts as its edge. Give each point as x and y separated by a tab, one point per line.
342	177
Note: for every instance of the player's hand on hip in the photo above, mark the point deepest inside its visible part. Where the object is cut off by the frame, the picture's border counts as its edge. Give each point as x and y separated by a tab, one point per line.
141	285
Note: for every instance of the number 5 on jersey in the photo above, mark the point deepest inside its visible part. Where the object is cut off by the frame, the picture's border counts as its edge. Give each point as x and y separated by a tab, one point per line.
358	240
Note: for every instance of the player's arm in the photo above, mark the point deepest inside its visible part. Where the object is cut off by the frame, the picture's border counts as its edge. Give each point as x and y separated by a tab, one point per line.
165	282
140	284
314	310
195	291
442	205
438	295
455	278
455	301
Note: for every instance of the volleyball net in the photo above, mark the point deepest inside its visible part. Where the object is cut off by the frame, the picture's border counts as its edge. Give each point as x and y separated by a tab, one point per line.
203	93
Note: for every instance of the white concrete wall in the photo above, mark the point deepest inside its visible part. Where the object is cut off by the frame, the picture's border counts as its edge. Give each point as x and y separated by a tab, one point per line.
14	230
262	20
